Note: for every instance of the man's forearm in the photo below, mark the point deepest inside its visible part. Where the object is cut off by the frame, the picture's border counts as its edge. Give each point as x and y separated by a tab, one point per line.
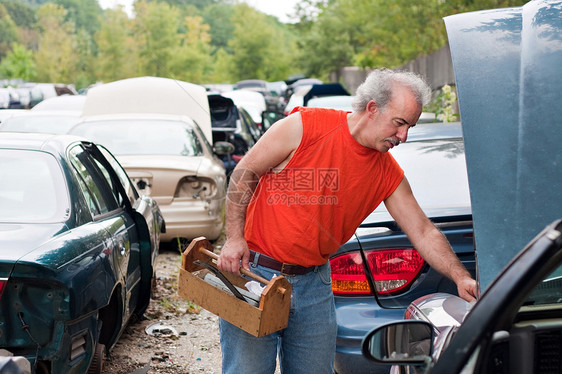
436	250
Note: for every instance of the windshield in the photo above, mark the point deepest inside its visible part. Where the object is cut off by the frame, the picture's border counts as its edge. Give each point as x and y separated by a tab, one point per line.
436	171
549	291
32	188
142	137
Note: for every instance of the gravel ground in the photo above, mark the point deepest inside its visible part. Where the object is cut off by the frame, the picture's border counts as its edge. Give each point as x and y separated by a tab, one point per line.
195	348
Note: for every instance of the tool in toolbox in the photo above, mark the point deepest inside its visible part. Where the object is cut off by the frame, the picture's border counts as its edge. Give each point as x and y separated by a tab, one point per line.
226	295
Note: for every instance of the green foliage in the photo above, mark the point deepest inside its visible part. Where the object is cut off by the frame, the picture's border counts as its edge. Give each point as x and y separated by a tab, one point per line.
444	105
117	49
22	14
191	60
327	46
83	13
9	31
156	33
56	55
263	53
219	19
219	41
18	64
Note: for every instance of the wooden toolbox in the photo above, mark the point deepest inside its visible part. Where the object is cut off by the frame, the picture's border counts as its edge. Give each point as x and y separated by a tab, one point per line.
270	312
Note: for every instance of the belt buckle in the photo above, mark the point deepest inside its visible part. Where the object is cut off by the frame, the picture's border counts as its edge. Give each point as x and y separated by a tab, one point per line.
282	270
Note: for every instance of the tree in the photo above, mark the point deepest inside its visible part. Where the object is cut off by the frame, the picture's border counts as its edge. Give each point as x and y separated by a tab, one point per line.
326	46
156	29
259	49
18	64
22	14
199	4
374	33
83	13
117	49
221	68
191	61
219	19
9	33
56	57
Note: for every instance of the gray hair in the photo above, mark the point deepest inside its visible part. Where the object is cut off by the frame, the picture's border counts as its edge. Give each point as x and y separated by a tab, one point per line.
378	87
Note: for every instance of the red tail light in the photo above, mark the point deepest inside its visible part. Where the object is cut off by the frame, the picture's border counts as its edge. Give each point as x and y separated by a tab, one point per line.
394	270
3	282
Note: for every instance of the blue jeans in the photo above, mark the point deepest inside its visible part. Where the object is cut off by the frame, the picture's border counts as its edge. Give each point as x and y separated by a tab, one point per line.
307	345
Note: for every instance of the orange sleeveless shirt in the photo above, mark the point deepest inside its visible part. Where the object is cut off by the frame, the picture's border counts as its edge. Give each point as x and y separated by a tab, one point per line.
302	214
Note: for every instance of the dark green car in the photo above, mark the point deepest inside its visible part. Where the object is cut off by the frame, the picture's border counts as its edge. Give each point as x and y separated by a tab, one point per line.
77	248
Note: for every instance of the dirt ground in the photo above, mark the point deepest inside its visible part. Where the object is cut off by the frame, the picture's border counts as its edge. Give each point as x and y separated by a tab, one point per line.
183	337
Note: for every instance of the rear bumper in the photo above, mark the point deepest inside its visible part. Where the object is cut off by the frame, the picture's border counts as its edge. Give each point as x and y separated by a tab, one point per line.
356	317
192	219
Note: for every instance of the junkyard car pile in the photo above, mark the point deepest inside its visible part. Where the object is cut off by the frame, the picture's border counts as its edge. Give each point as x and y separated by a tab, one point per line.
81	233
78	248
162	136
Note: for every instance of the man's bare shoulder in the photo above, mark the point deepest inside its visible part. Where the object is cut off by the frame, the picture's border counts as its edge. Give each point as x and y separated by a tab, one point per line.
276	146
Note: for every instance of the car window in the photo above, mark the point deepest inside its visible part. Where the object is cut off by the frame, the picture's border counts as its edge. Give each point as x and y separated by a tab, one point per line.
114	188
142	137
202	139
251	125
130	190
32	188
549	291
93	184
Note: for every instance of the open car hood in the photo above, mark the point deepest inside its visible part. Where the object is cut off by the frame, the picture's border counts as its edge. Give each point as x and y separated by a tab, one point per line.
509	87
151	95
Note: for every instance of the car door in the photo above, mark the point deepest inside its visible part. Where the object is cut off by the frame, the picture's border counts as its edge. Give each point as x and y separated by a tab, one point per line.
149	223
109	206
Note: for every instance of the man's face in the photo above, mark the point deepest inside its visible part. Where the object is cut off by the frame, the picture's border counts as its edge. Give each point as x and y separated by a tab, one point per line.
389	127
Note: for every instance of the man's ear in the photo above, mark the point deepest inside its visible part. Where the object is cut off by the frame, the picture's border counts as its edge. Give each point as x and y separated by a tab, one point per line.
372	107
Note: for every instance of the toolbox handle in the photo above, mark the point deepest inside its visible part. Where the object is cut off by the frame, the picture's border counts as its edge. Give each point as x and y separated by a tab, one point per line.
242	270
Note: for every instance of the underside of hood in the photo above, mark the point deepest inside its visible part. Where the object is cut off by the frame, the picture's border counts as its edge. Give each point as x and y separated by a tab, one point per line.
508	65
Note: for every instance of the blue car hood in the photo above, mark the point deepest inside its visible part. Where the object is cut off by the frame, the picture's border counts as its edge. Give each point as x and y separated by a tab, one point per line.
17	240
507	66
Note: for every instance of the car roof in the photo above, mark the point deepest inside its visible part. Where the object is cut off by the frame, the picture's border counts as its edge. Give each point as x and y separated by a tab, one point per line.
51	143
324	89
48	121
64	102
244	97
340	102
151	95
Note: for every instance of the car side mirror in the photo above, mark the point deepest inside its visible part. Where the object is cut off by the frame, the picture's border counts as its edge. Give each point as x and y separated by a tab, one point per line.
223	148
404	342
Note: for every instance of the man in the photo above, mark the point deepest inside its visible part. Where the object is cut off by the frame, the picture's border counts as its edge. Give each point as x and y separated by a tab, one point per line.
320	173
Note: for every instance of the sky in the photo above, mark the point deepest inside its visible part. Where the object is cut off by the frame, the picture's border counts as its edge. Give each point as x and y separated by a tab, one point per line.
278	8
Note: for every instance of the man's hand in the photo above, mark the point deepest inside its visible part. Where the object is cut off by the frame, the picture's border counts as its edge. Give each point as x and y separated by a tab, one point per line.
467	289
234	254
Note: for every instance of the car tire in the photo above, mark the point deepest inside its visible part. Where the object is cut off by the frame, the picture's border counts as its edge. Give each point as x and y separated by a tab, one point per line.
96	366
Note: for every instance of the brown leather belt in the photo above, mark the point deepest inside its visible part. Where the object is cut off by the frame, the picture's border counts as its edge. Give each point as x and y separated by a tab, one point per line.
283	268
